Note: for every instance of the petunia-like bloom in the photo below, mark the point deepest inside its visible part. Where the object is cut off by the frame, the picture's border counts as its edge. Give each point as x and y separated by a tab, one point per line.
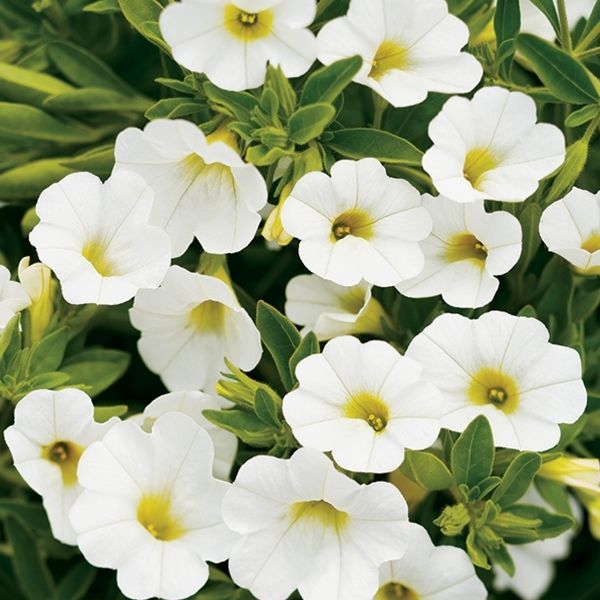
13	297
533	20
364	402
409	48
428	572
51	431
465	252
358	224
330	309
97	240
202	188
305	525
571	228
503	367
192	404
189	325
151	509
491	147
231	42
576	472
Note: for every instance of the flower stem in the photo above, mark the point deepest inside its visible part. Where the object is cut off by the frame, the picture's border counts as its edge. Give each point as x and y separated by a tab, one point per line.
565	33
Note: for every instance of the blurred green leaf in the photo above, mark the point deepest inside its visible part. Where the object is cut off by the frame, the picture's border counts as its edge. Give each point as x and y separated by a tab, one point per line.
76	583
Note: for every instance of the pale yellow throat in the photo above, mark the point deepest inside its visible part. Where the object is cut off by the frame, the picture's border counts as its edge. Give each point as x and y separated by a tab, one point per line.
390	56
492	386
478	162
65	455
154	513
247	26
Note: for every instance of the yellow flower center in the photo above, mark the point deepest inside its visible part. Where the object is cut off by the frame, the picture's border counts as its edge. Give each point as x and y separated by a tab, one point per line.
247	26
396	591
354	222
369	408
465	246
389	56
65	455
320	512
592	244
154	513
477	163
209	316
492	386
95	253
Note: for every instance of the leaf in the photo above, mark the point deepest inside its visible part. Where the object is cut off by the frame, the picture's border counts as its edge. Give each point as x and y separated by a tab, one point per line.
103	7
280	337
104	413
582	116
517	478
552	524
427	470
10	338
548	7
47	354
555	494
236	104
31	571
99	161
327	83
563	75
507	22
30	514
172	108
359	142
27	181
93	99
76	583
309	345
309	122
140	12
472	456
266	408
245	425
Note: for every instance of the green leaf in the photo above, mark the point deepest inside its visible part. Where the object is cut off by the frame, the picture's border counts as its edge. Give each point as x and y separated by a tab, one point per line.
266	408
327	83
140	12
104	413
548	7
356	143
27	181
472	455
507	22
427	470
552	524
555	494
10	338
499	556
517	478
582	116
99	161
245	425
236	104
563	75
575	160
76	583
309	122
31	571
309	345
172	108
92	99
280	337
49	380
47	354
30	514
103	7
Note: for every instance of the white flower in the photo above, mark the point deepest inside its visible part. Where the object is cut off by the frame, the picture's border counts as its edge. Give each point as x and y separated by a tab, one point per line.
51	431
357	224
151	509
466	250
192	404
13	297
365	403
330	309
37	280
428	572
571	228
201	188
409	48
231	42
305	525
579	473
503	367
533	20
189	325
491	148
97	240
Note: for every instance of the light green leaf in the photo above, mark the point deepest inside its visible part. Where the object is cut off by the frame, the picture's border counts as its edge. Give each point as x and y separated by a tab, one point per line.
172	108
27	181
96	100
245	425
309	345
327	83
309	122
10	339
29	87
235	104
99	161
552	524
472	455
427	470
582	116
517	478
266	408
140	12
103	7
104	413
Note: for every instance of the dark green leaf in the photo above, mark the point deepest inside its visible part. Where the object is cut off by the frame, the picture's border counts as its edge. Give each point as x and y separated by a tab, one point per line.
308	122
507	22
327	83
267	408
548	7
236	104
309	345
48	353
555	494
140	12
76	583
472	455
552	524
30	514
517	478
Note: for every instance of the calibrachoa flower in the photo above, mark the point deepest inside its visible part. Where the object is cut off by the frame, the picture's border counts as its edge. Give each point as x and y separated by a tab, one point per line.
409	48
151	508
189	325
330	309
305	525
97	239
579	473
51	431
231	42
491	147
364	402
192	404
503	367
428	572
202	187
466	250
357	224
13	297
571	228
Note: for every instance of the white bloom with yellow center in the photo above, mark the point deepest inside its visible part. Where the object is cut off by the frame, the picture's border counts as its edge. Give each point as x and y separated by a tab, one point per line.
232	41
202	188
409	48
428	572
491	147
330	309
571	228
192	404
576	472
188	326
13	297
151	508
358	224
466	251
503	367
97	240
364	402
305	525
51	431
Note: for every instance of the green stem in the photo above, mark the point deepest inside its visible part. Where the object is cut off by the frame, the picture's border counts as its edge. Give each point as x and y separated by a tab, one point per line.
565	33
379	105
591	129
588	53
